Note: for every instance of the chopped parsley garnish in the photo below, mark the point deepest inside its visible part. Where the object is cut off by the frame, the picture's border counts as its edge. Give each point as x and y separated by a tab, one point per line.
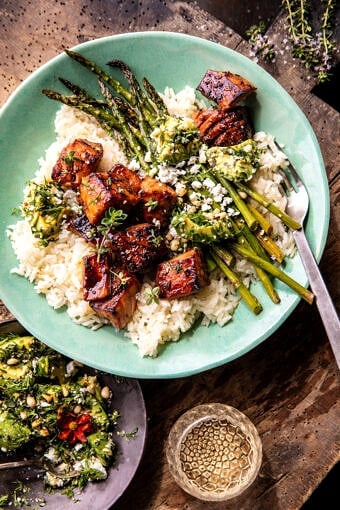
128	435
70	157
151	204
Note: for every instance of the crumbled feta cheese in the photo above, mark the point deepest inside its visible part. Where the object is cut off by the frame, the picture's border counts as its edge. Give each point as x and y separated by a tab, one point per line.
51	455
205	207
92	463
195	169
180	189
134	165
196	184
208	183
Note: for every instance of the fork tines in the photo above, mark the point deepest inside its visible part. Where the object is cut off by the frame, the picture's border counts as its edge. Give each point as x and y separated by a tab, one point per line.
285	184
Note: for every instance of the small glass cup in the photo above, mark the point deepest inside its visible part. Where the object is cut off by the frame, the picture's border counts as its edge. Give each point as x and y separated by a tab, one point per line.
214	452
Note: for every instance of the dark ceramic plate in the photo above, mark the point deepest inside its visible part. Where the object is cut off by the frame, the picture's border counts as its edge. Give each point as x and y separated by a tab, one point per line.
128	399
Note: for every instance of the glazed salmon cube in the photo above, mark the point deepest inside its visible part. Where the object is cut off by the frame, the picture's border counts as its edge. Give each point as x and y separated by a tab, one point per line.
77	160
124	185
182	275
97	280
80	225
94	197
224	127
138	247
225	88
120	306
158	200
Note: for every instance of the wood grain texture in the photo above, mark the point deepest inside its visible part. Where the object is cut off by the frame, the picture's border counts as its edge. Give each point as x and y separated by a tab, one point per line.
289	385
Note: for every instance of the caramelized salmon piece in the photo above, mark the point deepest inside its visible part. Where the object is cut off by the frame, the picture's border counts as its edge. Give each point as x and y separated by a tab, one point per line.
138	247
80	225
225	88
97	280
77	160
224	127
124	185
182	275
94	197
119	307
158	200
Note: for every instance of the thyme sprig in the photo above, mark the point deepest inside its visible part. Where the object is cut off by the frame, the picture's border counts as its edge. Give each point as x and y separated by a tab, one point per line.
151	295
112	220
314	49
260	43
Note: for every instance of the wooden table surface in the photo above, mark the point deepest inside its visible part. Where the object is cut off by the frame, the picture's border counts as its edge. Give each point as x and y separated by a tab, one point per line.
289	385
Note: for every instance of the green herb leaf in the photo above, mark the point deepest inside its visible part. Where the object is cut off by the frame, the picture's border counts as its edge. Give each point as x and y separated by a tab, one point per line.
151	295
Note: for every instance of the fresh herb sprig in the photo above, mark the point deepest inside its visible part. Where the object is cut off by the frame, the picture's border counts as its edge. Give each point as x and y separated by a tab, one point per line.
128	435
260	43
112	220
151	295
314	49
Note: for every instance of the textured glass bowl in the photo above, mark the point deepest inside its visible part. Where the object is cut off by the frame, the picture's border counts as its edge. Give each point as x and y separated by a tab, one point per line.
214	452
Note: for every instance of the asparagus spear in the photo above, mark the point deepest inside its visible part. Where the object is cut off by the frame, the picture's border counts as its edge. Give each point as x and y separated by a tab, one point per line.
239	203
145	108
245	293
103	116
81	93
247	239
225	255
285	218
127	111
102	75
275	271
252	240
155	98
270	246
133	142
263	222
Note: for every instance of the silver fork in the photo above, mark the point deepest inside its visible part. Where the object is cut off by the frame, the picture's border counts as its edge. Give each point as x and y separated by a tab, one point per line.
297	207
40	463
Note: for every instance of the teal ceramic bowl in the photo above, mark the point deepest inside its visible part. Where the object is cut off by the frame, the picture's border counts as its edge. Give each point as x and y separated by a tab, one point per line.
26	130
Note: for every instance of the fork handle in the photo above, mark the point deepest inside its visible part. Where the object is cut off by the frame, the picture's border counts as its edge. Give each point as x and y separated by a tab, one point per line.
19	463
324	302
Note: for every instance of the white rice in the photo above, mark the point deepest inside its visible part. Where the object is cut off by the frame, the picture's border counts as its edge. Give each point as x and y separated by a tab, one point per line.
56	270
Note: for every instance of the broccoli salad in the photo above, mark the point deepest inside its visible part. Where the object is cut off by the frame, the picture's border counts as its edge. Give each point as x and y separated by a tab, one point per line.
50	406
